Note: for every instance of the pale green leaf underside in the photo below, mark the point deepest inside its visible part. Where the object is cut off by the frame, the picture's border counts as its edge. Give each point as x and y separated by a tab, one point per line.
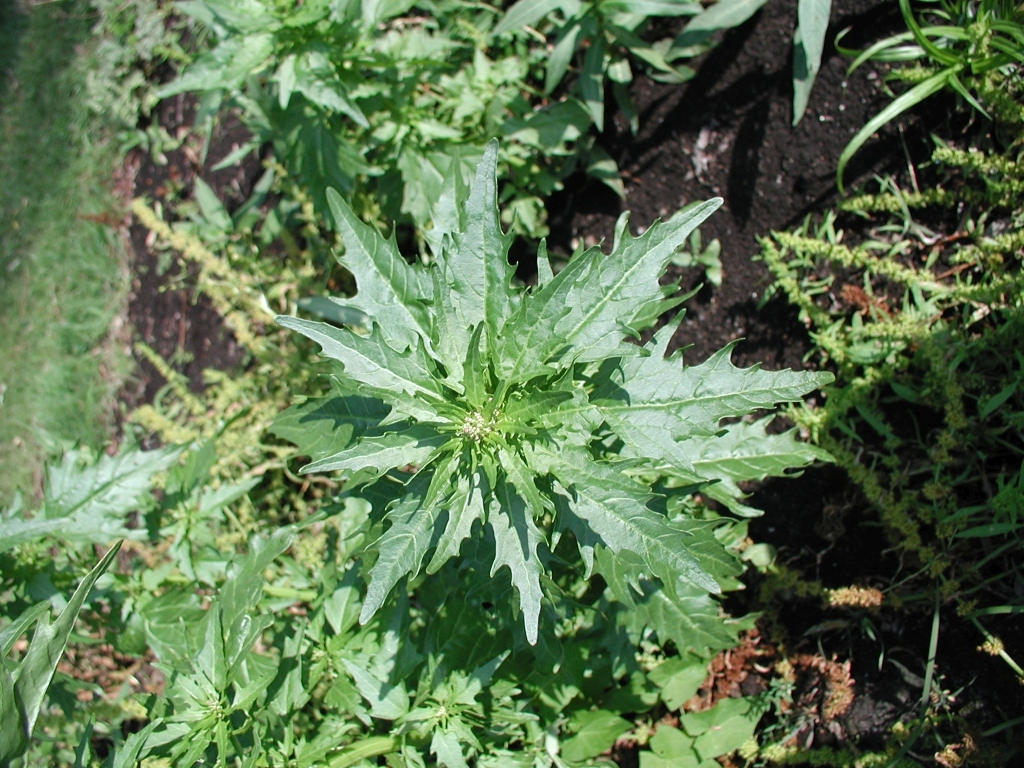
391	291
615	508
747	452
500	399
656	394
400	550
465	507
324	426
402	380
414	445
516	540
91	504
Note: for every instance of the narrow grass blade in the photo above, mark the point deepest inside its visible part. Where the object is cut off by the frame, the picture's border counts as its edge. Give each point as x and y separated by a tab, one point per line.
941	56
933	648
911	98
960	88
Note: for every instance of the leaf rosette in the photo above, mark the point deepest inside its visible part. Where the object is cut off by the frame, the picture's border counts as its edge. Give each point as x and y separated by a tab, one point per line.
485	408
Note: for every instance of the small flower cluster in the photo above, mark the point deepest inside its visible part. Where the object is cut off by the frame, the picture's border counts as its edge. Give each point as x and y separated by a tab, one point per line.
855	597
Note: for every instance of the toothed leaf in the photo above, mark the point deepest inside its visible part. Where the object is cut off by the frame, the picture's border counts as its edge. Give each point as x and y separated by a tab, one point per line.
744	452
615	508
533	410
465	507
400	550
390	291
648	399
679	611
516	539
402	380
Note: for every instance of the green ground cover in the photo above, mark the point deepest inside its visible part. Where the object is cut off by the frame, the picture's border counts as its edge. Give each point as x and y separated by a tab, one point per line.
63	277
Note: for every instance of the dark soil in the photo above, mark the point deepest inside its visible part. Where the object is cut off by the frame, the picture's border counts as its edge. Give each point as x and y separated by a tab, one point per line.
728	133
827	533
164	309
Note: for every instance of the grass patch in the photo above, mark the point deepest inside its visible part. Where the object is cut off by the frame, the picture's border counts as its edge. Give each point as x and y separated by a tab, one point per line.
63	275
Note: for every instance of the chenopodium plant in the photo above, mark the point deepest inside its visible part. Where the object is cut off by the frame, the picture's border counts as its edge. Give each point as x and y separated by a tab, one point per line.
520	414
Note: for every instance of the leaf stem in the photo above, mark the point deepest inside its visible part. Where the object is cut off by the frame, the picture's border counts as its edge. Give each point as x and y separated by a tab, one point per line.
998	647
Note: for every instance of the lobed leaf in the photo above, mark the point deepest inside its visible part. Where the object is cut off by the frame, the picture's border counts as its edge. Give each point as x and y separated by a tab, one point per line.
744	452
649	396
677	610
476	271
586	310
402	380
414	445
611	291
391	292
508	405
225	67
516	540
320	427
401	549
615	508
464	508
91	504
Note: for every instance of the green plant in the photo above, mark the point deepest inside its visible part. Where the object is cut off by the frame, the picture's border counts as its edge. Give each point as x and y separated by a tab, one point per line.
264	659
694	254
465	399
906	351
611	31
128	43
254	604
65	276
701	736
812	18
368	99
921	328
87	501
974	46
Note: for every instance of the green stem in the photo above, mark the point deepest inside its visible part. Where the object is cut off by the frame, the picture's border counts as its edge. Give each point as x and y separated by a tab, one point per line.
1000	650
305	595
361	750
1002	727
